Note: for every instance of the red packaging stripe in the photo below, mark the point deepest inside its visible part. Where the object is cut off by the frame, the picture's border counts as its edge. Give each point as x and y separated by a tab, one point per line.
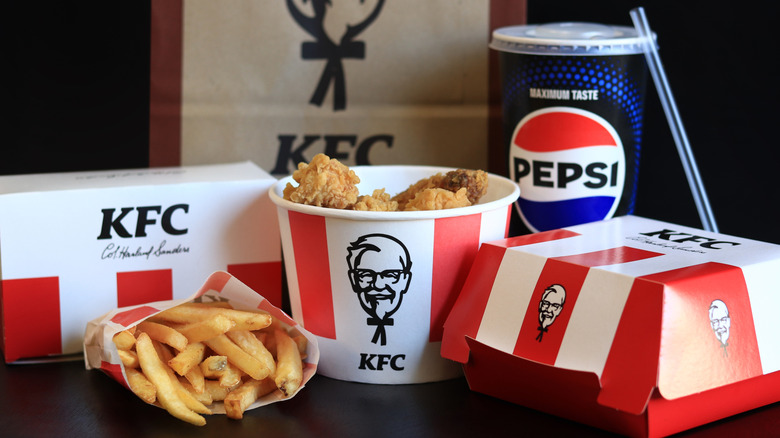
452	259
263	278
140	287
115	371
693	344
31	317
128	317
542	344
310	249
631	369
466	316
612	256
530	239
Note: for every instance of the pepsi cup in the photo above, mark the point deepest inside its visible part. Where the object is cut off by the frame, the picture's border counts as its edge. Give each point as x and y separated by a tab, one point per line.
573	99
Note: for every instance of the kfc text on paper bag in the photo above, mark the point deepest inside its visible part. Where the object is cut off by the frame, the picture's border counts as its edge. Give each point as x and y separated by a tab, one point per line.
75	245
637	326
375	287
100	352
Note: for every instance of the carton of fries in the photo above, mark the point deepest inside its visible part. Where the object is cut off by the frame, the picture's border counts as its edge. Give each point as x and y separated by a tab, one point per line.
223	350
374	287
637	326
74	245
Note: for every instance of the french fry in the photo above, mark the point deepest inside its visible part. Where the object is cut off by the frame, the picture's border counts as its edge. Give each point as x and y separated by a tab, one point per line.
129	358
189	313
188	358
241	359
289	369
165	334
140	385
167	393
242	397
268	340
196	379
185	395
217	391
124	340
213	367
231	376
214	325
302	343
249	343
192	355
202	396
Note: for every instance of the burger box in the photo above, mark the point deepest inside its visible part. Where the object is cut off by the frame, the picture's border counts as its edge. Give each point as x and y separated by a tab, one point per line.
77	245
632	325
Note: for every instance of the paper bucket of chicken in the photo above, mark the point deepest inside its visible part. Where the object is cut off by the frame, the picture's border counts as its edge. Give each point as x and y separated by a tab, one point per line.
375	257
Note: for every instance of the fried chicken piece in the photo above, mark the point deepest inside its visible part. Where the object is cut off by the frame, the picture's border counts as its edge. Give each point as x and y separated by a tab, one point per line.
324	182
474	181
378	201
438	199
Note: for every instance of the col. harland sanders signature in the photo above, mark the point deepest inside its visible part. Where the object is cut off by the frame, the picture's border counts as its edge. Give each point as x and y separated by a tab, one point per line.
119	252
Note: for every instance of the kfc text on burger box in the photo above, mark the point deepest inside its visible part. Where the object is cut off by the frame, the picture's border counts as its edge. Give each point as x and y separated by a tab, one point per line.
632	325
76	245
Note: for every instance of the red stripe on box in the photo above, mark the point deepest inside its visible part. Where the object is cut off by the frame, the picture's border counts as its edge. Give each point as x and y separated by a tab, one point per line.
31	317
140	287
215	282
530	239
115	371
631	370
131	316
310	250
263	278
455	245
542	344
693	344
612	256
466	314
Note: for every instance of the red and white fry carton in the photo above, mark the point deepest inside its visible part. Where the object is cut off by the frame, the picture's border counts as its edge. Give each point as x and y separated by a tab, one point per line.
78	244
640	327
101	353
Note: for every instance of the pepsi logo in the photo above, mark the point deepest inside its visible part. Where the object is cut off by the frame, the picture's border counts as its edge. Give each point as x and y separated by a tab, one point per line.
570	166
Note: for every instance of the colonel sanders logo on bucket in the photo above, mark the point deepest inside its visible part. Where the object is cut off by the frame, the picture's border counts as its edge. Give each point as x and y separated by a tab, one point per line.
380	274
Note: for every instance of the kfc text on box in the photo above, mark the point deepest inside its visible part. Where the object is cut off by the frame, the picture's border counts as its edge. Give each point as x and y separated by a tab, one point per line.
76	245
637	326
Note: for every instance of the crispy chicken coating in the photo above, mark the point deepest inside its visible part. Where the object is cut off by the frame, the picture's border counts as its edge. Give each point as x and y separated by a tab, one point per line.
474	181
324	182
438	199
378	201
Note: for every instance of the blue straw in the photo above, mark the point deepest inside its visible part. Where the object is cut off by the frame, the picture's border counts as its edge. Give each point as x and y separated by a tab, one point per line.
673	117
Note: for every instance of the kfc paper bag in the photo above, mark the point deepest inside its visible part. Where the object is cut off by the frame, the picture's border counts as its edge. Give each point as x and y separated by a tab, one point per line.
100	352
367	82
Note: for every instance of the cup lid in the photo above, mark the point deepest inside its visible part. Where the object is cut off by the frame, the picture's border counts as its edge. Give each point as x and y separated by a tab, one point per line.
568	38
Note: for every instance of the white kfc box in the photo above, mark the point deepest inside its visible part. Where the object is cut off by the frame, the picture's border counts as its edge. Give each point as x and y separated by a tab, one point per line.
640	327
76	245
